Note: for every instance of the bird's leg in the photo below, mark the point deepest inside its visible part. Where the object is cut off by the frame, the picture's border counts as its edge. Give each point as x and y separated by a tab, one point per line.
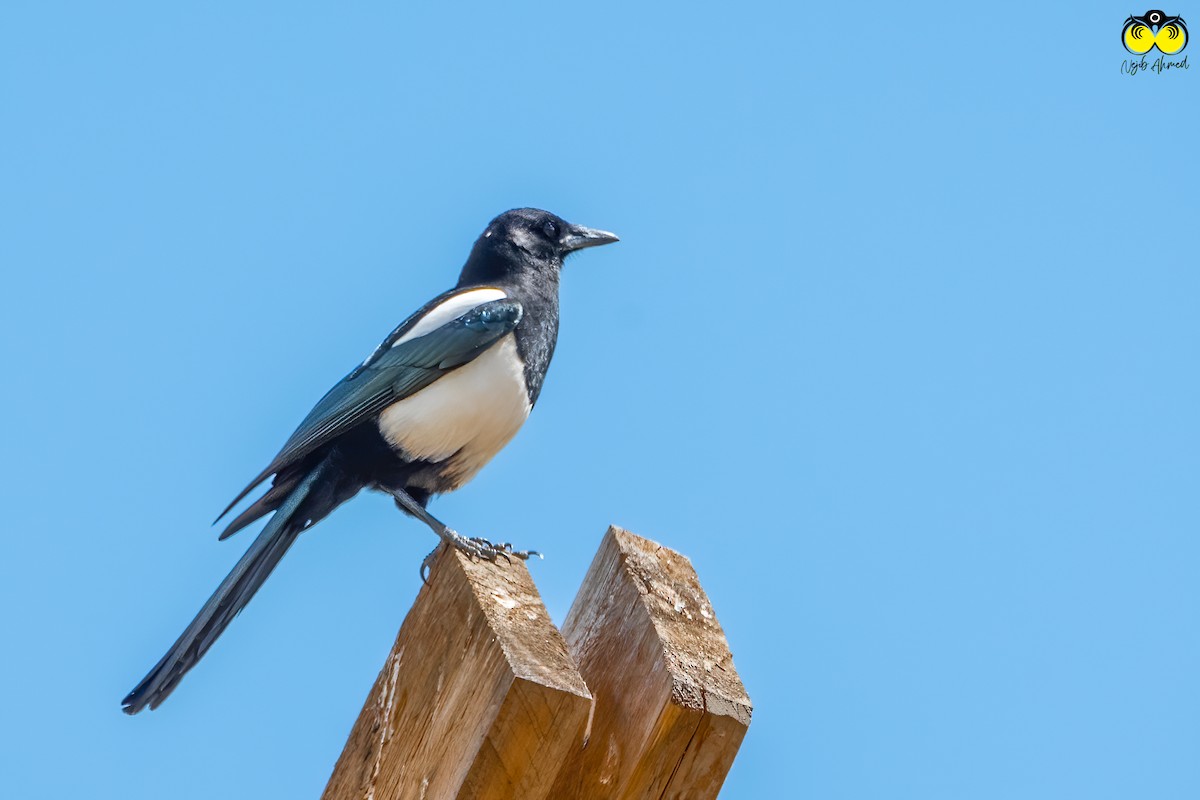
472	546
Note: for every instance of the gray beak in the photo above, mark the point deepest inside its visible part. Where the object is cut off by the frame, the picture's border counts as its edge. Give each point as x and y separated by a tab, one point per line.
579	237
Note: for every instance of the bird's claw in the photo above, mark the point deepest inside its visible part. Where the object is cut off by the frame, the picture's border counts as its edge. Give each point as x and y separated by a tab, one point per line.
482	548
475	547
427	565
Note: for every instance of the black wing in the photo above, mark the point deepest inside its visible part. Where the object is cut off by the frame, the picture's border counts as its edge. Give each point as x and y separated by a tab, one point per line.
409	324
393	373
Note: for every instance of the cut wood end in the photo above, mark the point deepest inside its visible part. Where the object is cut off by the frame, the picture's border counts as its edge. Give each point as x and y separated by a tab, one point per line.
478	698
695	650
506	594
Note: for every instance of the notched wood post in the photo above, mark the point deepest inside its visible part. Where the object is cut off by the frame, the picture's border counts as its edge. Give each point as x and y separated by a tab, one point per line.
670	710
479	697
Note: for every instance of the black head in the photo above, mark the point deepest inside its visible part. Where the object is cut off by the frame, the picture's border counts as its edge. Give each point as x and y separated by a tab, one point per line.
527	239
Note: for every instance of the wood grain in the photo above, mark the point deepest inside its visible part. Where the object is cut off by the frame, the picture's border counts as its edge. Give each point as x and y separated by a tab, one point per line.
479	697
670	710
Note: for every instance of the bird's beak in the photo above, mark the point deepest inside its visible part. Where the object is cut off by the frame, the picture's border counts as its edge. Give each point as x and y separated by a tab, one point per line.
579	237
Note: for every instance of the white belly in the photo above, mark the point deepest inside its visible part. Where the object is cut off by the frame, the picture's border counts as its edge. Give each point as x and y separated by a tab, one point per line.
464	418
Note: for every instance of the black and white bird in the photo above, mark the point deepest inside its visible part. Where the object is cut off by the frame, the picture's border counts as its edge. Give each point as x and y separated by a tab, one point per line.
442	394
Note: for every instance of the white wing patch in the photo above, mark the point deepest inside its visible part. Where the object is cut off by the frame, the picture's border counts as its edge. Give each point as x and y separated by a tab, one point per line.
450	309
465	417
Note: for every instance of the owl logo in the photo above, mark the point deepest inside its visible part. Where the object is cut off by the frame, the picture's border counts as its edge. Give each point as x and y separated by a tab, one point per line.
1154	29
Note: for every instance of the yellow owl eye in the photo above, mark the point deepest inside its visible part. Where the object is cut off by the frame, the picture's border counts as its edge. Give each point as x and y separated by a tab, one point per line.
1171	38
1139	38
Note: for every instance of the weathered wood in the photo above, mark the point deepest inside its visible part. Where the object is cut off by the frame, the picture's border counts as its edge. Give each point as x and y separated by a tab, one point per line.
478	698
670	710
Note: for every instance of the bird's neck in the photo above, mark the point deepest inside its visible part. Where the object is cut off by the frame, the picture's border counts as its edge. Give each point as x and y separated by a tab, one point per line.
535	286
537	332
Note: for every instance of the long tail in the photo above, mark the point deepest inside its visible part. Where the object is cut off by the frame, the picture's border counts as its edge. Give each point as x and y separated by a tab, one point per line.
313	497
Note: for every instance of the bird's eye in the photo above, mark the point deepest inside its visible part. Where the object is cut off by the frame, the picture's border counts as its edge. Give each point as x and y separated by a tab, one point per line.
550	229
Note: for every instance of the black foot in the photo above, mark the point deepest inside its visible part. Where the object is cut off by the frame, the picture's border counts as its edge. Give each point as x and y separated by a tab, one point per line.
475	547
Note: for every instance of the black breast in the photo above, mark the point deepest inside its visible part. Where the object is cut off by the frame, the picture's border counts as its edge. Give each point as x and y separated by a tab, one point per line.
537	332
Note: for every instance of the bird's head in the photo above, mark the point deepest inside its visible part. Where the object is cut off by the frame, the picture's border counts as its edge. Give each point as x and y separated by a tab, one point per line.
529	237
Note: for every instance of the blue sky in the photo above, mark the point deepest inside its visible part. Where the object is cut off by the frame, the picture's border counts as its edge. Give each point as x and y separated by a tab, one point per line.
899	346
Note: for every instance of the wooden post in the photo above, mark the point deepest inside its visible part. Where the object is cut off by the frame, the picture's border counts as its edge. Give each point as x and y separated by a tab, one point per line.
670	710
478	698
481	696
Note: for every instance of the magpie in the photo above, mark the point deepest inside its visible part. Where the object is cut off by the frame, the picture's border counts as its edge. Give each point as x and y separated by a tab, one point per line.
442	394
